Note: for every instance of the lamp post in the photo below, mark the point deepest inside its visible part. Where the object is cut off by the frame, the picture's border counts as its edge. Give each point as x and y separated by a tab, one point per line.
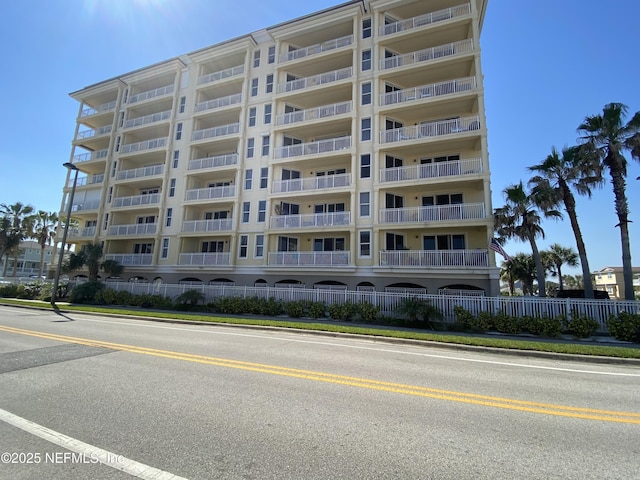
56	279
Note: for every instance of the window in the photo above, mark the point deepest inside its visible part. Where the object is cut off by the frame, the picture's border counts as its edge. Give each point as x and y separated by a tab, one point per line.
365	244
264	176
179	131
365	132
365	204
250	147
256	59
366	93
121	119
328	244
113	170
213	246
443	242
248	179
265	146
393	201
183	104
143	248
259	246
244	246
252	116
118	143
366	28
287	244
254	87
106	221
365	165
169	216
366	60
267	114
262	211
272	54
165	248
246	210
176	157
394	241
269	83
444	199
172	187
110	195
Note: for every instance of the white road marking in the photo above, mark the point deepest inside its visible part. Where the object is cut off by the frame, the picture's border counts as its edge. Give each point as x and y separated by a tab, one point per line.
105	457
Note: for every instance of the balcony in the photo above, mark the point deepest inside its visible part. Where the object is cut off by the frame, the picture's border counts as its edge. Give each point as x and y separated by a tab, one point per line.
311	183
434	258
427	55
85	206
158	92
205	259
143	146
148	119
150	171
314	148
439	89
104	108
228	191
215	132
313	220
316	80
438	128
426	19
470	166
439	213
89	156
215	161
88	180
82	232
309	259
94	133
221	75
219	103
213	225
131	259
326	111
134	229
317	49
136	200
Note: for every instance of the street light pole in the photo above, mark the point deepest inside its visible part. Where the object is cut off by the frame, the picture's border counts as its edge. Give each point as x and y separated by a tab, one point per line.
56	279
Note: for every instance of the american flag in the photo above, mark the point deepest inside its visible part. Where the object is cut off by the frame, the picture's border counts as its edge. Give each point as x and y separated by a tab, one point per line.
496	247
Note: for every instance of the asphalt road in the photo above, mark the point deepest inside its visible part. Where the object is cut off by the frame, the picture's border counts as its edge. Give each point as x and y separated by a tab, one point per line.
93	397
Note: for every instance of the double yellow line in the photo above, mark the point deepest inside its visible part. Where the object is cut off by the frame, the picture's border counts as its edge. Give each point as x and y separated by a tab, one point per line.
489	401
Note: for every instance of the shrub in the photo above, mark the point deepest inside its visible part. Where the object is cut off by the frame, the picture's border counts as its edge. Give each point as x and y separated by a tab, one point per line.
9	291
188	299
294	309
123	298
581	326
342	311
316	310
231	305
549	327
367	312
108	296
504	323
481	323
419	312
625	327
85	292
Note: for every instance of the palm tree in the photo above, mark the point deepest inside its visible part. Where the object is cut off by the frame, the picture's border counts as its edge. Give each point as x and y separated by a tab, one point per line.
44	231
525	270
606	137
520	218
507	274
89	256
558	176
19	216
558	256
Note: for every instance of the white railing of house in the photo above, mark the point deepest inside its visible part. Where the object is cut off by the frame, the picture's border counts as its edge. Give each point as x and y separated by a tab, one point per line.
153	118
94	132
211	193
221	74
158	92
213	225
86	157
313	148
129	259
219	102
433	53
214	161
326	111
308	259
311	183
439	213
216	132
470	166
149	171
218	258
146	145
88	180
316	49
434	258
82	232
322	79
134	229
431	129
426	19
79	207
135	200
104	108
425	91
311	220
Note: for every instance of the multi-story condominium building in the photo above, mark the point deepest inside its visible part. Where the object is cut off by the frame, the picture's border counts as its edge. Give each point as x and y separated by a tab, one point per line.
346	148
29	258
611	280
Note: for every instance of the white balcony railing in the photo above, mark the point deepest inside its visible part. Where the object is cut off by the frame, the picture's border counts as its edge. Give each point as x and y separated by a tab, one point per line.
469	166
158	92
433	53
211	193
213	162
82	232
314	148
439	213
147	119
326	111
219	102
311	183
431	129
136	200
216	132
434	258
316	49
104	108
426	19
98	132
213	225
308	259
89	156
218	258
425	91
149	171
221	74
134	229
311	220
129	259
142	146
88	180
80	207
322	79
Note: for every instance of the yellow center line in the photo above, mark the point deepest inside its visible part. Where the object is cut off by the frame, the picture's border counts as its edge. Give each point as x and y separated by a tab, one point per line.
462	397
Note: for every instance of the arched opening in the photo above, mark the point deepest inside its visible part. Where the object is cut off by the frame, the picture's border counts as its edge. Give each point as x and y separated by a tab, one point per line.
461	289
330	285
138	279
289	283
365	287
225	282
190	281
261	282
405	287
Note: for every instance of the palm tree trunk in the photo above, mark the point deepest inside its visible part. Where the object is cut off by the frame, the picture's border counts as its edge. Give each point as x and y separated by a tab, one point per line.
560	284
15	262
570	206
41	262
622	210
542	293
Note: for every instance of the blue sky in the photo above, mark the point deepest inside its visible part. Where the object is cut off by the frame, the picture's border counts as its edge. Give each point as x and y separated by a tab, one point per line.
547	65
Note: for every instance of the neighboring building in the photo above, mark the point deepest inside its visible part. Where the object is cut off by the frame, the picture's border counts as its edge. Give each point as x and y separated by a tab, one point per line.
28	260
343	149
611	280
